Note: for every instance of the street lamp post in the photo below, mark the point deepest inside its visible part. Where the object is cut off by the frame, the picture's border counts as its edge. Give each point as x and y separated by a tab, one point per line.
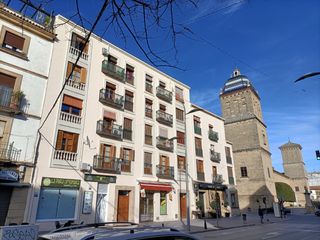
186	159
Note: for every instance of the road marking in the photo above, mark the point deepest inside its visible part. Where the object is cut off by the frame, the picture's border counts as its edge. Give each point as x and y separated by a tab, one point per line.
271	235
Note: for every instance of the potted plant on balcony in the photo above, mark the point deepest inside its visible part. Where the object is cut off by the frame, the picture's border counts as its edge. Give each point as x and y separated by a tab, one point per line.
16	99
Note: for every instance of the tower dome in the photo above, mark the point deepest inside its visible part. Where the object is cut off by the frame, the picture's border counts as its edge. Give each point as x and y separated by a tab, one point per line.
236	82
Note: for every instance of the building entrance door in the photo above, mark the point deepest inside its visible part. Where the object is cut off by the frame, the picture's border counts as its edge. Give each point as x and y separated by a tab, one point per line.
5	197
123	206
146	207
183	205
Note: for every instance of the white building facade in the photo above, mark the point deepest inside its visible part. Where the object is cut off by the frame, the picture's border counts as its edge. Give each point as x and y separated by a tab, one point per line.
25	57
114	147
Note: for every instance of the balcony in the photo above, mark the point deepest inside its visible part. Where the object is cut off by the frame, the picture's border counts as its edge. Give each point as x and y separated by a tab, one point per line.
113	70
199	152
76	52
106	164
109	130
127	134
71	118
166	172
200	176
217	179
164	144
164	94
149	87
197	130
213	136
11	102
164	118
215	156
229	159
63	157
76	84
231	180
108	97
147	169
8	153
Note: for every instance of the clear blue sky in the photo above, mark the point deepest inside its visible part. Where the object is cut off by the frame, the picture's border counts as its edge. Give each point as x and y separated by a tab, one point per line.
273	42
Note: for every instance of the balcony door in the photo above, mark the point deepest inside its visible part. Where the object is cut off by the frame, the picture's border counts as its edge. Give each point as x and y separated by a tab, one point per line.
110	91
6	89
107	153
164	165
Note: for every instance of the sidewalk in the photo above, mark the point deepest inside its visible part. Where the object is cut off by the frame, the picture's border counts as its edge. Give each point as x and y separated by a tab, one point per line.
197	225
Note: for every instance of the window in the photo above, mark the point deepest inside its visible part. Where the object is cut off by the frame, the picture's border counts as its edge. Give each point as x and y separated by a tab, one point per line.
14	42
148	83
127	156
198	147
130	74
78	43
200	170
180	137
147	163
233	200
79	74
181	162
162	84
297	189
197	125
163	203
113	60
179	114
214	171
148	134
128	101
228	155
7	84
179	94
264	139
127	129
162	107
67	141
148	108
71	105
57	203
244	172
269	173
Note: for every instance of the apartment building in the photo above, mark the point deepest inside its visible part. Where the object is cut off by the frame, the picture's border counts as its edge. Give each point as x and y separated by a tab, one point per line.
26	44
210	164
114	147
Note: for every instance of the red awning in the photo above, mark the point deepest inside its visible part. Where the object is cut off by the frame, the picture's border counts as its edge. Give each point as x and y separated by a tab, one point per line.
156	187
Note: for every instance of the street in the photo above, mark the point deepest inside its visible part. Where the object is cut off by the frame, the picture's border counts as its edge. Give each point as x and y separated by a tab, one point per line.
296	227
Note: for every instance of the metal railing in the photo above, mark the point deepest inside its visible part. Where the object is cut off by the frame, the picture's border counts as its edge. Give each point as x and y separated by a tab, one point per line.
147	168
75	51
68	117
11	101
218	179
127	134
197	129
164	94
108	97
200	176
164	144
109	130
164	118
65	155
165	172
76	84
107	164
199	152
213	136
113	70
9	153
215	156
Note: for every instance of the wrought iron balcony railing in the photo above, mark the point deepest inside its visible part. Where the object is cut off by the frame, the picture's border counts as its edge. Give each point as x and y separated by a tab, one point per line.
164	118
109	130
218	179
215	156
165	172
11	102
8	153
113	70
213	136
164	94
164	144
108	97
106	164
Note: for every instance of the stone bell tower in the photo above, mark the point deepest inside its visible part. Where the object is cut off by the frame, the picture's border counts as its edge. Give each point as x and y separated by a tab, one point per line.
246	129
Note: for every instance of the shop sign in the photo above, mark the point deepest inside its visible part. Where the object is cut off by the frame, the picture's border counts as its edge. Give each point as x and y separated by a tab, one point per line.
87	202
9	175
100	178
60	183
209	186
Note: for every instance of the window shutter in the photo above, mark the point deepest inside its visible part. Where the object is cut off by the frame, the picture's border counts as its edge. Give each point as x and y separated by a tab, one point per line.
131	155
72	101
69	68
83	75
102	150
59	140
7	80
121	153
113	151
75	142
14	40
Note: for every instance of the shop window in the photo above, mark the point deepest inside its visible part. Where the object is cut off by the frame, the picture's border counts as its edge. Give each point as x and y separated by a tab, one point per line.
163	203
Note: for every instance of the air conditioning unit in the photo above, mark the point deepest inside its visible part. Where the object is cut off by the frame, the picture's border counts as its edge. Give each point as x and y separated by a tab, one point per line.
85	167
105	52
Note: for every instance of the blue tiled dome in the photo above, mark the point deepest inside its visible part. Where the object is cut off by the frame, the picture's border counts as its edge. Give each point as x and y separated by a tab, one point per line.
237	81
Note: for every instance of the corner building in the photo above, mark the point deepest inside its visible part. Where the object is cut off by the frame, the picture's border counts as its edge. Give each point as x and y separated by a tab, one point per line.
246	129
113	131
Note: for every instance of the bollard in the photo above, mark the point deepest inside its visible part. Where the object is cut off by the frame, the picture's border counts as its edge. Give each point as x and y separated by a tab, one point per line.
205	224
